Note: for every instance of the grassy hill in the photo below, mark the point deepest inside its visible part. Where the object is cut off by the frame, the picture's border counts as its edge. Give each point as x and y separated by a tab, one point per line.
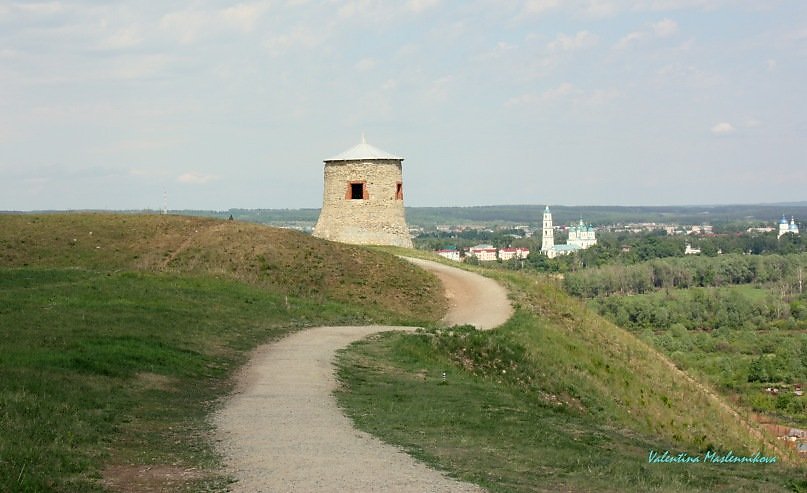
121	332
532	213
558	399
282	261
118	333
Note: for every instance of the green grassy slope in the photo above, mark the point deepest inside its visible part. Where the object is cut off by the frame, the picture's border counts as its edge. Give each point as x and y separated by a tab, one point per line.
115	347
556	399
282	261
742	339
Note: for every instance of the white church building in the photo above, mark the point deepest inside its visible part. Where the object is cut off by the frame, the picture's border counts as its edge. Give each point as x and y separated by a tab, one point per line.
785	227
581	236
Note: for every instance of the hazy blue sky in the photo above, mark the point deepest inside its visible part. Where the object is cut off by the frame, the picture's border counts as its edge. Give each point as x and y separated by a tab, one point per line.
107	104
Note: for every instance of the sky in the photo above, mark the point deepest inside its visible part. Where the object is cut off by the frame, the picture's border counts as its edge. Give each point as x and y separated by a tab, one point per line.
218	105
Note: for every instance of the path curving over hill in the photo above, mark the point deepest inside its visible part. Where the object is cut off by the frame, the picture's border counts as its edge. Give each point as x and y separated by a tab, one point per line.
472	299
282	430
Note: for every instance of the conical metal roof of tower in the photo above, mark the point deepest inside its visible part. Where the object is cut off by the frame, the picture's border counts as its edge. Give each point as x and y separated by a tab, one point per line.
363	151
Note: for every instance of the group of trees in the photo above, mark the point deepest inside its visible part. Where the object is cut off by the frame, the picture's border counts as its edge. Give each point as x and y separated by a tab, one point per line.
500	238
629	248
788	272
703	309
744	338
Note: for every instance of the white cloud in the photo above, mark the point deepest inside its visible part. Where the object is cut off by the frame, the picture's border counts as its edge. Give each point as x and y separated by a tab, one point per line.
629	39
243	16
194	178
365	64
566	92
41	8
562	91
418	6
189	25
600	8
723	128
540	6
376	12
139	67
771	64
147	173
581	40
439	88
186	25
661	29
298	37
661	5
501	50
752	122
602	96
690	75
389	85
559	92
665	28
126	37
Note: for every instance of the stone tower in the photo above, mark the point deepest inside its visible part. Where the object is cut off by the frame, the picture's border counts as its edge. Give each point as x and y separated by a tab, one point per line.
362	202
548	238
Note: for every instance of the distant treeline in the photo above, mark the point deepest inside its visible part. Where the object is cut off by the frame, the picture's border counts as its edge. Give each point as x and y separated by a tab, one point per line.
532	214
601	215
686	272
262	216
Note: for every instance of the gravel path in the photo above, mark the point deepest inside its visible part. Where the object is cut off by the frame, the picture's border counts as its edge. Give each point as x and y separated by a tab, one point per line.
282	430
472	299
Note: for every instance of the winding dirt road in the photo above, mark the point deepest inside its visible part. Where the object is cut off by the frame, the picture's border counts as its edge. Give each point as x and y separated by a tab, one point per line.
282	430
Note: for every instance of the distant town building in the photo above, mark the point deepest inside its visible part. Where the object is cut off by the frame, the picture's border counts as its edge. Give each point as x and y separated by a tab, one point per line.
703	229
766	229
581	236
450	254
785	227
484	253
691	251
526	229
509	253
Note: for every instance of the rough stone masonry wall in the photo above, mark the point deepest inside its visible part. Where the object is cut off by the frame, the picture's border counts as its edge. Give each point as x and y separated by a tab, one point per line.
378	220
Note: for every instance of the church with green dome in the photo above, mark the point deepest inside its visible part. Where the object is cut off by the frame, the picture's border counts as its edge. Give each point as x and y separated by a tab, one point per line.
581	236
787	227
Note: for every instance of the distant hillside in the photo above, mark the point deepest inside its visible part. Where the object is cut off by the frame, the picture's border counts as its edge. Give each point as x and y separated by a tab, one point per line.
281	260
532	214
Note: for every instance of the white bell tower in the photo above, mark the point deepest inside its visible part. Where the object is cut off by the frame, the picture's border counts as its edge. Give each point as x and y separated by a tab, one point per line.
548	238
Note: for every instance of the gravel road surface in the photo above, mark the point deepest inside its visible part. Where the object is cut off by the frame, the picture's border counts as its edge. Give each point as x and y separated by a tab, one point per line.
282	430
